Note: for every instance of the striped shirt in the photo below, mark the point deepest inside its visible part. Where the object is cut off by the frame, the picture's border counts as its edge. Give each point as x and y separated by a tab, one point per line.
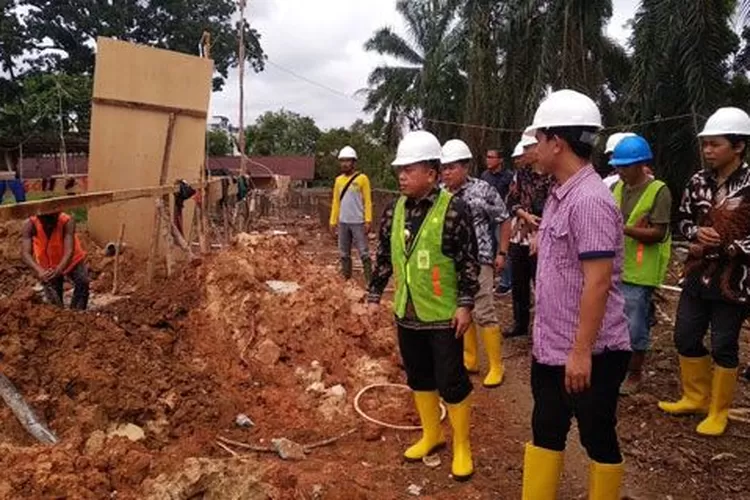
580	222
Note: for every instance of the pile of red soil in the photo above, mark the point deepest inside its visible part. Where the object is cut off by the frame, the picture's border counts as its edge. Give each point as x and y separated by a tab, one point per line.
181	360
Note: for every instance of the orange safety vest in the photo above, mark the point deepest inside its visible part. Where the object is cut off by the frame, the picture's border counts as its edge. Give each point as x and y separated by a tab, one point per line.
48	252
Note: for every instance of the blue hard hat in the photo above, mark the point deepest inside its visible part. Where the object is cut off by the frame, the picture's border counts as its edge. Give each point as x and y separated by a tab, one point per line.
631	151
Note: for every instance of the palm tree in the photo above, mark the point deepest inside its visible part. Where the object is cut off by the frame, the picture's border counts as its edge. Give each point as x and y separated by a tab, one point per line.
681	55
428	82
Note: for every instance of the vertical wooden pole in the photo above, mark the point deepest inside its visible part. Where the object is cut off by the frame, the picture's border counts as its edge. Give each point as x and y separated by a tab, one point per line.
164	201
241	58
115	280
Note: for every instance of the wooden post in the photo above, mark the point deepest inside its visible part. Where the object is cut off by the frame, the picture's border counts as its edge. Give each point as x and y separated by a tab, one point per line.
241	57
164	201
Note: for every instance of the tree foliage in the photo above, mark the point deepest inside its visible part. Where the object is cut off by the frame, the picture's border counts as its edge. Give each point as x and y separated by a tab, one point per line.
497	59
282	133
219	143
47	50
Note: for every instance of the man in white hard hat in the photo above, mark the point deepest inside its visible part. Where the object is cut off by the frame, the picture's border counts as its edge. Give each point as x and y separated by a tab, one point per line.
526	200
613	177
351	213
581	343
427	243
714	216
488	211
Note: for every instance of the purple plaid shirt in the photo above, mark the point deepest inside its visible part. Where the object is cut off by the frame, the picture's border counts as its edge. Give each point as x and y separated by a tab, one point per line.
580	221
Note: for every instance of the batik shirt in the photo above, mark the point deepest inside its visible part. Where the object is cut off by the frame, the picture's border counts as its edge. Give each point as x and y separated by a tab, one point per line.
726	208
487	211
528	192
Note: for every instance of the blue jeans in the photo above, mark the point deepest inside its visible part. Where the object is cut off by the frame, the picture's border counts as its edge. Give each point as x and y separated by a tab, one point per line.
637	309
505	280
16	187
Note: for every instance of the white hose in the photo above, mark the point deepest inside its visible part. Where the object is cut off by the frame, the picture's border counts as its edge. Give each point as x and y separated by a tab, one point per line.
443	410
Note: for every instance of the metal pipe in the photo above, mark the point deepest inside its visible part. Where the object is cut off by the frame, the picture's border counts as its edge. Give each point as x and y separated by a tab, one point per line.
24	413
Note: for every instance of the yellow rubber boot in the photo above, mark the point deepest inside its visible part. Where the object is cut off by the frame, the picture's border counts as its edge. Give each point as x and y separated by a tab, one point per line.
470	350
460	415
541	473
428	407
696	387
605	481
722	393
493	343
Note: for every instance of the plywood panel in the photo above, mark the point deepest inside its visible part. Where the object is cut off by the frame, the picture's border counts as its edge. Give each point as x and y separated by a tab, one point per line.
127	144
129	72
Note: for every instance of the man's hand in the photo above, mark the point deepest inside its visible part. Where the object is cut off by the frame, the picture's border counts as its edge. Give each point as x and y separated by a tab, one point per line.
47	275
43	274
368	226
461	321
709	237
533	243
643	222
333	228
695	251
578	371
531	219
500	261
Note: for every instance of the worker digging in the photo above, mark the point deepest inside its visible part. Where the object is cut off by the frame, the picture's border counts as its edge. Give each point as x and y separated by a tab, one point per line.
51	248
427	244
488	212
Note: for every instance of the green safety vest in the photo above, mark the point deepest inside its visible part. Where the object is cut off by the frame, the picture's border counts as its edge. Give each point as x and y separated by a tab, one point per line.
644	265
422	272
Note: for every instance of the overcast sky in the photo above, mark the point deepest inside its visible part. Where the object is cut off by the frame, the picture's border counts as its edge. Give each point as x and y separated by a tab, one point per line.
323	41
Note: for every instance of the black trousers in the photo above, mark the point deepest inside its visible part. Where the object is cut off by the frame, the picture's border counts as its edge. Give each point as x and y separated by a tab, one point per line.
79	275
694	317
595	409
523	268
434	360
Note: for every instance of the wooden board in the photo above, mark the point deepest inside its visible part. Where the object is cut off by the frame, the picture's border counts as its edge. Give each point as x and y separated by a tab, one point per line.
127	140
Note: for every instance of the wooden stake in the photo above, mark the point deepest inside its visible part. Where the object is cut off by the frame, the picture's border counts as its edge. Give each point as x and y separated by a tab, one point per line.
154	247
115	280
241	57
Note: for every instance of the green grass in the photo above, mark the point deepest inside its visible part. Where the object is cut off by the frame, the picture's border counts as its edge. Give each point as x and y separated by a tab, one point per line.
80	214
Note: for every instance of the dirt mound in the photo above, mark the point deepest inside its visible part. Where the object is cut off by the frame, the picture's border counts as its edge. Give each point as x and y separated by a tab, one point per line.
181	361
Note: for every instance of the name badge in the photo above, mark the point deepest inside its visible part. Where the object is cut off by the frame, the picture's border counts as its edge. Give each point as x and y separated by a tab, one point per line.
423	260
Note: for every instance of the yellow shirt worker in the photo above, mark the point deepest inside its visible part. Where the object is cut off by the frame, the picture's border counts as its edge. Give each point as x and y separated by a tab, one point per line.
351	213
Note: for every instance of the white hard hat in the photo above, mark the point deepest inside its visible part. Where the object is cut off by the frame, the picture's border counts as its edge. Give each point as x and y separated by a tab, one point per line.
455	150
727	121
347	153
417	147
518	150
528	140
566	108
615	139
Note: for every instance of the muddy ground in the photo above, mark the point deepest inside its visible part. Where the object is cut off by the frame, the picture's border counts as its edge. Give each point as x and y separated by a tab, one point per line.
181	360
